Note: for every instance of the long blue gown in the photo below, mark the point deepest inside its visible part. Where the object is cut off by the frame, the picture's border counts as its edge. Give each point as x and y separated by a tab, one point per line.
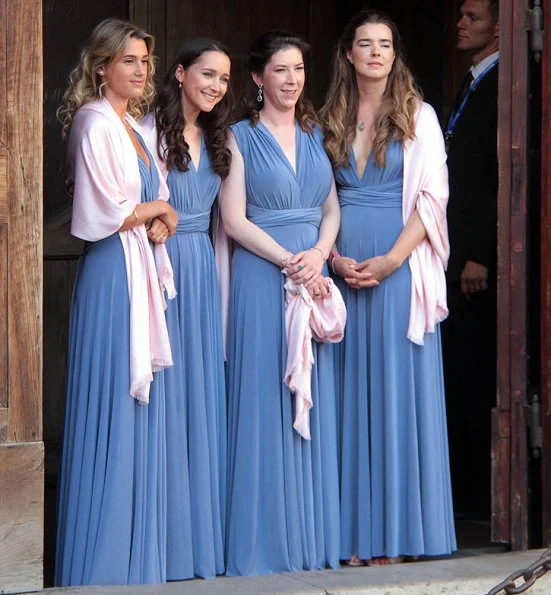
111	526
395	480
283	506
194	387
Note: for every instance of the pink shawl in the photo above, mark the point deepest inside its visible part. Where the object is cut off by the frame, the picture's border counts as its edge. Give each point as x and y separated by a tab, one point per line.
426	190
304	317
102	162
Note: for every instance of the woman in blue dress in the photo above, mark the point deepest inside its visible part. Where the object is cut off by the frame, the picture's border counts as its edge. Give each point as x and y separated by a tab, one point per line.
392	250
191	134
279	205
112	487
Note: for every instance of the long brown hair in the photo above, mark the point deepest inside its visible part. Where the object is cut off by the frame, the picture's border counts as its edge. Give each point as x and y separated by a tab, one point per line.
169	114
106	42
261	51
395	119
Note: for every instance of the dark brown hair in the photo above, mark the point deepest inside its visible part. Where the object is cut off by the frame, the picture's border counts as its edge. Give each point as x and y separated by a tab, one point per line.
261	51
169	114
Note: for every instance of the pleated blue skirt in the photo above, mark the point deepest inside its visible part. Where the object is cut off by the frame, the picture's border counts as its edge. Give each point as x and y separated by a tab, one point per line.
112	487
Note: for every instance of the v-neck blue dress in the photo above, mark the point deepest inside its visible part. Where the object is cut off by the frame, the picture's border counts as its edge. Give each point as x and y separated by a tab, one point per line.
395	479
111	525
195	385
283	500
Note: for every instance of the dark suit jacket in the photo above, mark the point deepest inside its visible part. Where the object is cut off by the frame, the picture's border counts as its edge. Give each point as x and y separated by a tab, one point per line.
473	175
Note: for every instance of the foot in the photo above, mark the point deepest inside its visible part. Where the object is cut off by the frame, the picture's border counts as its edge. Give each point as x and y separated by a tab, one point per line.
355	561
385	560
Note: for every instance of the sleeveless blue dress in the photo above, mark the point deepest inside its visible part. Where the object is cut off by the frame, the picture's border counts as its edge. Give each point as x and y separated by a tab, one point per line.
283	502
111	525
395	479
195	385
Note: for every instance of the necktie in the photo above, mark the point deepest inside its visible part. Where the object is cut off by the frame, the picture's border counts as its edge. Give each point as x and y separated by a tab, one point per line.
463	90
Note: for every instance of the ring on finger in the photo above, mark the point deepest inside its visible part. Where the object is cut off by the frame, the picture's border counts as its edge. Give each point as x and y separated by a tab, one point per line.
299	267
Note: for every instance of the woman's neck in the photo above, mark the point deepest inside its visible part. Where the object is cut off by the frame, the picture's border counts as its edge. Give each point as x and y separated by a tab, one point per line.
370	94
276	118
190	116
118	104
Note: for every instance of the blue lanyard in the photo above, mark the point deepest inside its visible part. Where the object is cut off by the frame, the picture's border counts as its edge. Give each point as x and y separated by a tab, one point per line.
456	114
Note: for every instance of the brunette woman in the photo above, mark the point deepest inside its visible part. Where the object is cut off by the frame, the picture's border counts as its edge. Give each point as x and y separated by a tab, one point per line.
388	153
190	133
279	204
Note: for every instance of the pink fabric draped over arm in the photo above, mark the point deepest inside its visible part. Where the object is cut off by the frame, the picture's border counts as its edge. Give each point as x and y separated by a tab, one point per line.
426	190
103	164
305	318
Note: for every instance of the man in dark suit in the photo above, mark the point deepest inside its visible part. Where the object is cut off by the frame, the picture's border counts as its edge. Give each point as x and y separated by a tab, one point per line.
469	334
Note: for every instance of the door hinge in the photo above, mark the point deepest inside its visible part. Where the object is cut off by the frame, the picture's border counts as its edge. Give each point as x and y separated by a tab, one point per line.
534	26
533	419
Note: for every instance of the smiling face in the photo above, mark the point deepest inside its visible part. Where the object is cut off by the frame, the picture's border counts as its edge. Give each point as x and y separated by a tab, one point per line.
477	29
204	83
372	53
282	79
125	76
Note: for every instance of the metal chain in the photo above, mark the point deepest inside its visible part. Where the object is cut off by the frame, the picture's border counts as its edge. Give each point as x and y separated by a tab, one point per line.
529	575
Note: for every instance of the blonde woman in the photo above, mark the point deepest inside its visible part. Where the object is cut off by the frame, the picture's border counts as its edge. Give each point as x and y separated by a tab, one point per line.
390	166
112	487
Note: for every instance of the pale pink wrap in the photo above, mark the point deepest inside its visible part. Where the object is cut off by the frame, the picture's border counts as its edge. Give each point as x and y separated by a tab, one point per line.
103	164
324	320
426	190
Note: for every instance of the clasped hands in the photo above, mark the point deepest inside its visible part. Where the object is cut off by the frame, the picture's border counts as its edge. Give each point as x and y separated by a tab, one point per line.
367	273
162	227
305	268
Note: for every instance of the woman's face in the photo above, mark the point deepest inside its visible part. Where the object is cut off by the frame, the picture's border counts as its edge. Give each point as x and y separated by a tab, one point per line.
126	75
205	82
372	53
283	79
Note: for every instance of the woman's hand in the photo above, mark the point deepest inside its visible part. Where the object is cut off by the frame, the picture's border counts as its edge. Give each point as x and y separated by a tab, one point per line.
344	266
169	218
157	231
318	287
372	271
305	266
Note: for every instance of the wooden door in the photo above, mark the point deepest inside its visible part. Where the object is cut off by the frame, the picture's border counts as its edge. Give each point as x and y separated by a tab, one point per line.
21	446
546	281
509	443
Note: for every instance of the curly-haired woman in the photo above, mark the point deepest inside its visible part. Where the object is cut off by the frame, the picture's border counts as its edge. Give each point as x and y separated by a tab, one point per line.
113	481
190	132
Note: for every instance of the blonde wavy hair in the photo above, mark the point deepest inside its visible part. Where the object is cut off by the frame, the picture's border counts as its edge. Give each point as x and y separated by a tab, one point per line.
105	44
395	119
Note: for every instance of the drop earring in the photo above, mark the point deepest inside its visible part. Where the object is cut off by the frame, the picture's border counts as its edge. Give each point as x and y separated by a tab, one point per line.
259	96
180	85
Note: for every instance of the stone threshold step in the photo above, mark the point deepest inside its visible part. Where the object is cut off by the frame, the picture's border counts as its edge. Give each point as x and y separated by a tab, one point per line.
471	575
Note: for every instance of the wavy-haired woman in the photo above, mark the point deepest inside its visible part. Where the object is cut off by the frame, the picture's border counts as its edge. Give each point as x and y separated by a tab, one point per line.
112	489
189	129
390	164
280	206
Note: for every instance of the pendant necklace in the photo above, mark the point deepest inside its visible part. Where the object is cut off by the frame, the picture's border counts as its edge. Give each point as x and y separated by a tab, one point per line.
361	126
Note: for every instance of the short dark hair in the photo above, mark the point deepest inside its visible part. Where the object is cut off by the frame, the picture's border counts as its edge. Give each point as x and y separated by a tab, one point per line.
494	9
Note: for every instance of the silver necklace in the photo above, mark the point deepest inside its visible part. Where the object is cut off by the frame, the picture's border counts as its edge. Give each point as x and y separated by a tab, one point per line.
361	126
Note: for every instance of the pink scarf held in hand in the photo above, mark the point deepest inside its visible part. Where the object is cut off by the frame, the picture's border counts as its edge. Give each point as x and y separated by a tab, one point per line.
305	318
